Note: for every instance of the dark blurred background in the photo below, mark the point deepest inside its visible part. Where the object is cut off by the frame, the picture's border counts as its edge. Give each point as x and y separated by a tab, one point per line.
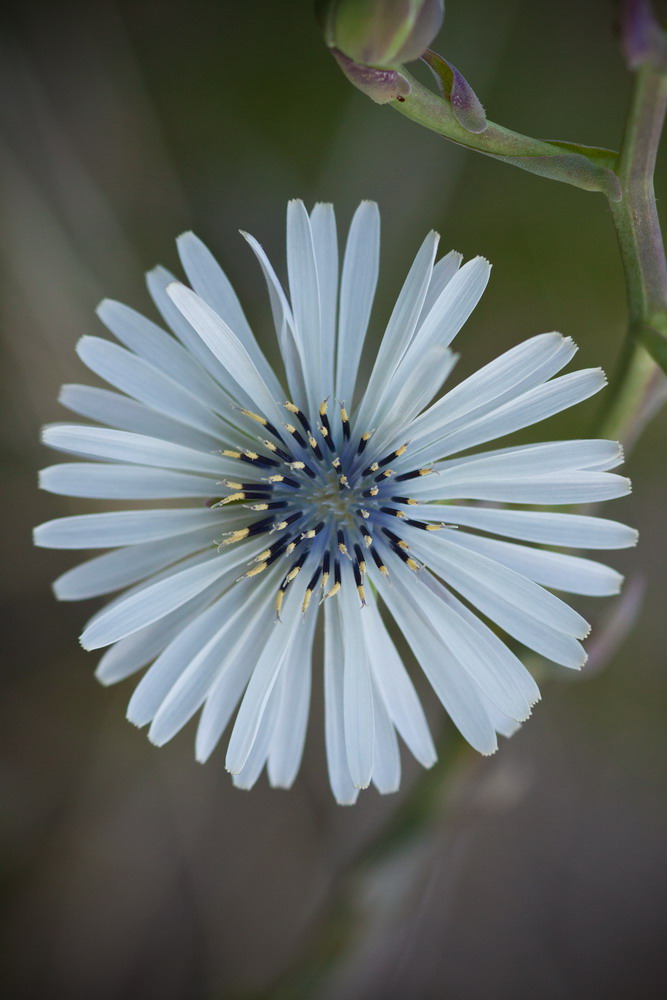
130	871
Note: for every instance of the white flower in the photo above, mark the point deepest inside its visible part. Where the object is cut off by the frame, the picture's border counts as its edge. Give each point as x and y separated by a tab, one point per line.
316	503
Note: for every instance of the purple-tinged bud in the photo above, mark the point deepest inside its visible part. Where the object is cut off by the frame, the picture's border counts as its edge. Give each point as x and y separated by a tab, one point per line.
381	85
380	33
466	105
642	38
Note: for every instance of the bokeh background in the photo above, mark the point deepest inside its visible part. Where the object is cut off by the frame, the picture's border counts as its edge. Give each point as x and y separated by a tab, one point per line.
131	871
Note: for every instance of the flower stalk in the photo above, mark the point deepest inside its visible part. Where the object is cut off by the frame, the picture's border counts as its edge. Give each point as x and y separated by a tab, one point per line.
641	245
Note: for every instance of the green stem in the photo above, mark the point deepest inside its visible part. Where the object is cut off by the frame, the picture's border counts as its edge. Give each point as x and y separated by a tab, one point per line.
585	167
637	225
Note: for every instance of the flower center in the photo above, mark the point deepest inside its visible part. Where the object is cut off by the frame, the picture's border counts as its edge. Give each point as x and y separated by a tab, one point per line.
323	497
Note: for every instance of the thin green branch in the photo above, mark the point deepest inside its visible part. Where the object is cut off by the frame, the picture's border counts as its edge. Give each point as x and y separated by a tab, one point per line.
640	241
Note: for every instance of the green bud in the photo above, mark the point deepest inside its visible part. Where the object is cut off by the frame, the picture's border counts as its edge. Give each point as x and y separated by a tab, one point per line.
380	33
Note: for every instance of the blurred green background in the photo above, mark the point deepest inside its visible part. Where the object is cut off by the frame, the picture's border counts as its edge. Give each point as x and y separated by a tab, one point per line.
134	871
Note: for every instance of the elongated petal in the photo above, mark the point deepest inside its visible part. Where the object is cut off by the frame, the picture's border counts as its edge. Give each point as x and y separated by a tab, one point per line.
121	446
123	482
358	283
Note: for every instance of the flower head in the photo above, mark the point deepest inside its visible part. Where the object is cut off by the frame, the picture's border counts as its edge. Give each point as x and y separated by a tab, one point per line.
326	497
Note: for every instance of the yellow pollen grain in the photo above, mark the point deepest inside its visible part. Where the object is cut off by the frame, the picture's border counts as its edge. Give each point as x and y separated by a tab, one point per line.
254	416
228	453
235	536
334	590
232	498
255	570
306	601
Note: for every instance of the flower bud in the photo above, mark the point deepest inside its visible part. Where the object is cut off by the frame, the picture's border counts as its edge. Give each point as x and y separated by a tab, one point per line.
381	33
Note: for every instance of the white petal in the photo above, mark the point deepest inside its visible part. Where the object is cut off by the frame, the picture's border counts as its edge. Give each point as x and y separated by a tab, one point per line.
504	680
211	283
442	274
123	413
158	600
514	671
123	482
334	716
283	322
386	757
227	348
410	396
357	687
123	527
130	654
227	689
159	281
160	349
503	379
141	380
289	726
577	531
522	608
305	298
394	686
573	487
126	566
325	245
399	333
457	692
179	681
448	313
552	569
121	446
266	673
357	291
247	775
540	459
537	404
